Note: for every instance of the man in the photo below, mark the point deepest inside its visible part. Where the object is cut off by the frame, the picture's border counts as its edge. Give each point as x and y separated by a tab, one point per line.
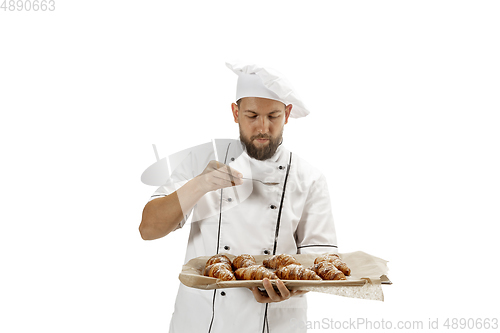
235	212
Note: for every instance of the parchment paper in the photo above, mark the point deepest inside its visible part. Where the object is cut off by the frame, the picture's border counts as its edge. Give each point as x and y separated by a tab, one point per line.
367	273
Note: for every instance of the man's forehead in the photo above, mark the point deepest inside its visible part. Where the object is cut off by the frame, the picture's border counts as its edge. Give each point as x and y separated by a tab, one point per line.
259	105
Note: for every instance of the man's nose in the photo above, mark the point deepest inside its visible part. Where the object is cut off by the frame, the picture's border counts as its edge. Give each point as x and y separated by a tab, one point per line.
263	125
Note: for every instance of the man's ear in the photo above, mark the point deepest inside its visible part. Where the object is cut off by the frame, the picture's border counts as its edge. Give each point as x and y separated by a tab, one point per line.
234	108
288	109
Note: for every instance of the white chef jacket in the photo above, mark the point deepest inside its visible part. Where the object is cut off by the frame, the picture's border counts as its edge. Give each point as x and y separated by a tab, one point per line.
292	217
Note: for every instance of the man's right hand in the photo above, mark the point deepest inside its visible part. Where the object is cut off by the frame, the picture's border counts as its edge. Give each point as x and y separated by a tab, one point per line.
217	175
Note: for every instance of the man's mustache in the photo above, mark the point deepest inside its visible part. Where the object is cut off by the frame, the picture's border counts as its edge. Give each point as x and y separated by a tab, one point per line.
260	136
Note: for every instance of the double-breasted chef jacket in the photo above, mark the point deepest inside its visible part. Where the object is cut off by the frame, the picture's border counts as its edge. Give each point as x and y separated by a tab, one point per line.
292	217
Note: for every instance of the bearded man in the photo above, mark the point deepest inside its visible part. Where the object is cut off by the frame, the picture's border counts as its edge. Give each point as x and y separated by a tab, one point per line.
248	196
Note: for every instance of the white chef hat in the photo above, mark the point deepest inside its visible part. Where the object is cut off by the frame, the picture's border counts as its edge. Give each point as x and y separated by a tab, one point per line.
256	81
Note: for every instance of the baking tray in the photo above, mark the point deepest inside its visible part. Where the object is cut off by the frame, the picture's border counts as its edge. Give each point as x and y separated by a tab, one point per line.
365	268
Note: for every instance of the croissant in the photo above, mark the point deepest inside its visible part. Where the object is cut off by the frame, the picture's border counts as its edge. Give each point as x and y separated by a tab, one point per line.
219	270
296	272
334	259
224	265
327	257
254	272
218	258
327	271
280	260
243	260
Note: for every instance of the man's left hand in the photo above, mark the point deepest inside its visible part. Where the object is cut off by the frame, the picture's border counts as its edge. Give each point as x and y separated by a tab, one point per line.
270	295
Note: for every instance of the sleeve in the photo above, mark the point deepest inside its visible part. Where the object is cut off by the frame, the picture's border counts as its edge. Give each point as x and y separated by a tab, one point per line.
316	231
181	175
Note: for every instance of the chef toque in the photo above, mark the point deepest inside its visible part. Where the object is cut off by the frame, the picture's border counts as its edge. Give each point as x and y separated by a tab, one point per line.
256	81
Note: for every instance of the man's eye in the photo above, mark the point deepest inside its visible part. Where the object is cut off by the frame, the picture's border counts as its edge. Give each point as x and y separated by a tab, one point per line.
253	117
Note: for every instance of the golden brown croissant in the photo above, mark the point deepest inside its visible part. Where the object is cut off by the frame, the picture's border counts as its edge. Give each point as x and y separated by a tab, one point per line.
243	260
296	272
224	265
218	258
280	260
254	272
327	271
334	259
327	257
219	270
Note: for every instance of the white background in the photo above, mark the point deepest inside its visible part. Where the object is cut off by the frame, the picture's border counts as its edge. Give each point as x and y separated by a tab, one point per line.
404	100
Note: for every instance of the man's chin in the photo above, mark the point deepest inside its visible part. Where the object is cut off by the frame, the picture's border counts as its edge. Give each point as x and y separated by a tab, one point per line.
260	150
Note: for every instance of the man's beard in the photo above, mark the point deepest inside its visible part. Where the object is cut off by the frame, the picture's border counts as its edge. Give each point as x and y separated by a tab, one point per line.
265	152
